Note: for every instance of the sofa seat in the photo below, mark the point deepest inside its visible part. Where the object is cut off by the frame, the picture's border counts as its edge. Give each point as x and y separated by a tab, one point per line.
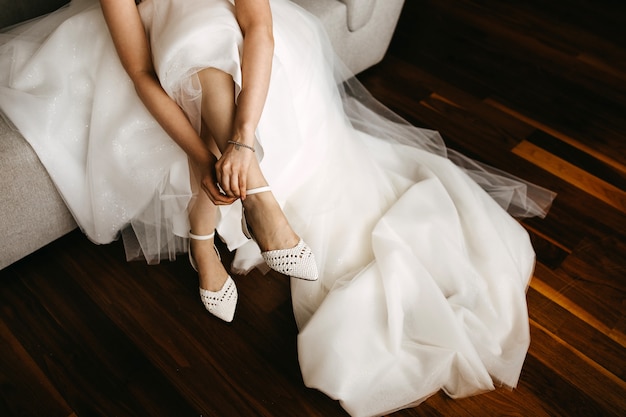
32	213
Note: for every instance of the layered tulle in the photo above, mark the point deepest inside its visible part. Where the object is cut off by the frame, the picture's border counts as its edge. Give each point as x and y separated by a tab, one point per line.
422	271
64	88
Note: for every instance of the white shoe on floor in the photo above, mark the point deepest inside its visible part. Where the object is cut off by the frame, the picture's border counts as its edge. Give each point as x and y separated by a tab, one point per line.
222	303
297	262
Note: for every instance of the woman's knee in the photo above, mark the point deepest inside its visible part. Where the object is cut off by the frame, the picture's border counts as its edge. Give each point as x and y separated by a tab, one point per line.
214	79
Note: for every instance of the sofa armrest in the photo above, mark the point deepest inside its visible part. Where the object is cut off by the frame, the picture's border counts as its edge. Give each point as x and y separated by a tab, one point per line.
362	48
359	12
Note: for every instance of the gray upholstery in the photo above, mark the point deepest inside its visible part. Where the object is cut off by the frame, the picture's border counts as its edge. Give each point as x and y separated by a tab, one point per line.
359	12
359	44
32	213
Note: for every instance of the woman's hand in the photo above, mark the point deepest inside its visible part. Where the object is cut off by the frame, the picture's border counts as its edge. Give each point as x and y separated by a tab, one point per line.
232	169
209	183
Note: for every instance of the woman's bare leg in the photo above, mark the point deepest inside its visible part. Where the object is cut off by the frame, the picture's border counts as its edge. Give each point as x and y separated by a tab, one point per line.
270	226
203	214
202	219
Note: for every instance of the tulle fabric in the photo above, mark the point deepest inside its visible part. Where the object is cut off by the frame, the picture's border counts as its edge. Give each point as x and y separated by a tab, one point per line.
64	88
422	271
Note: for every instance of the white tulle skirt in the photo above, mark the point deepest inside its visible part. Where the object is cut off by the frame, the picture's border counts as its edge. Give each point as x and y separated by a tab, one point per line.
423	271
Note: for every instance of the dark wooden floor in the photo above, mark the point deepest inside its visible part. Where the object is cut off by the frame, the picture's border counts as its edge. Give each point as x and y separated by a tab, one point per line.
536	88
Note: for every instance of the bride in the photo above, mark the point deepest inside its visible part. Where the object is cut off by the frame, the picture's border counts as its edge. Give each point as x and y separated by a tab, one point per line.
228	123
173	122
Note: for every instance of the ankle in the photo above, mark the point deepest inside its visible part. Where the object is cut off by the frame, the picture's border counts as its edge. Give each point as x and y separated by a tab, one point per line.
258	193
255	201
211	271
203	251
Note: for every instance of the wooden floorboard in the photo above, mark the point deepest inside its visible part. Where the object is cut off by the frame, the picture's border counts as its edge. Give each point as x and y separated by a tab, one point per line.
532	87
24	379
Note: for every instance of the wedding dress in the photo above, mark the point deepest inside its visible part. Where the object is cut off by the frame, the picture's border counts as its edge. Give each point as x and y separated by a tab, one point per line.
423	272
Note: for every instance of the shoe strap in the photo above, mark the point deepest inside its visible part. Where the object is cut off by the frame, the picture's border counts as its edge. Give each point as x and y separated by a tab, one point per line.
201	237
258	190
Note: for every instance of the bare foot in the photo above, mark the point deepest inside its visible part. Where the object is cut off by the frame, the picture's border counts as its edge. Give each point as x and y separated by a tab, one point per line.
211	271
268	223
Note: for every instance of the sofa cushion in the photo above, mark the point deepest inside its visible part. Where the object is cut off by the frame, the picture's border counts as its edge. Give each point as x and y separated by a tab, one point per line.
359	12
32	213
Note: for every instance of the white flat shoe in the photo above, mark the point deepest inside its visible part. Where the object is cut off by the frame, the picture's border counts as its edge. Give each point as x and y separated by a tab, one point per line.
222	303
296	262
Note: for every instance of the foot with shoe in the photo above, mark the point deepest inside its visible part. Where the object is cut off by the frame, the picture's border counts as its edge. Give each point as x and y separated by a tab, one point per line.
217	289
281	249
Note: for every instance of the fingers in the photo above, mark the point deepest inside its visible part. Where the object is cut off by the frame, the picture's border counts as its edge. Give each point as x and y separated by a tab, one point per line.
231	185
231	174
216	196
242	188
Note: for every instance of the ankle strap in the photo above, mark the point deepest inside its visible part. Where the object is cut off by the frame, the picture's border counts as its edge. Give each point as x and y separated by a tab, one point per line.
258	190
201	237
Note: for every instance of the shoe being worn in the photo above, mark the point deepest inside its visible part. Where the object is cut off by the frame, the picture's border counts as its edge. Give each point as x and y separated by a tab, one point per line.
221	303
297	262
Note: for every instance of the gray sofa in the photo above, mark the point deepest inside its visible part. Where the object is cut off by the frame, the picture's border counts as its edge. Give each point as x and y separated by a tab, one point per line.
33	214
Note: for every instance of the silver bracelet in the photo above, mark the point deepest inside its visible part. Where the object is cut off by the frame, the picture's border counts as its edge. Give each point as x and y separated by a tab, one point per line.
239	145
